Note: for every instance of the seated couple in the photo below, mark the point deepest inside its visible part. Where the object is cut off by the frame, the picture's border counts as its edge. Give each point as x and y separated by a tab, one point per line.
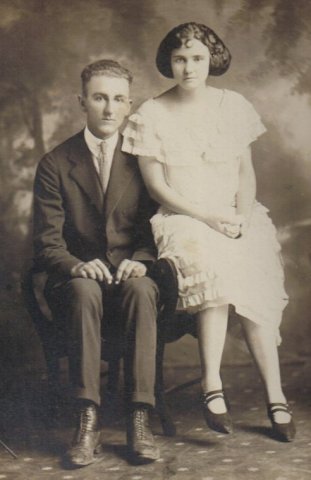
96	228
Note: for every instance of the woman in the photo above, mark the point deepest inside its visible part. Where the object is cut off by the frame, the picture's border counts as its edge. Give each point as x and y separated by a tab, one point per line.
193	143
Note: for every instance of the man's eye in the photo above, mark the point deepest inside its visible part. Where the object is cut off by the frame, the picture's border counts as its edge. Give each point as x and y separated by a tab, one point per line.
98	98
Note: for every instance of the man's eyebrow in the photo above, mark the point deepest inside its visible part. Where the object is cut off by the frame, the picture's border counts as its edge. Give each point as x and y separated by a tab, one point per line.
102	94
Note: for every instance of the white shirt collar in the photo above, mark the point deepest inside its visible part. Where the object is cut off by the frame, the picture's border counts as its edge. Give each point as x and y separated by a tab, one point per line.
93	142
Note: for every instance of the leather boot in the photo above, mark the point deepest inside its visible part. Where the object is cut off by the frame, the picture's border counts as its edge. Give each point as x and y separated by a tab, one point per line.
86	441
140	440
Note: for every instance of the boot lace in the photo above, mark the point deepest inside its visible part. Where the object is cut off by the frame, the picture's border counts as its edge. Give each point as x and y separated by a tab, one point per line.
140	423
87	423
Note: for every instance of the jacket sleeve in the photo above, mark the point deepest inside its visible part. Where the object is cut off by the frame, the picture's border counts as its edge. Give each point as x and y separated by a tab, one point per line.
50	249
145	249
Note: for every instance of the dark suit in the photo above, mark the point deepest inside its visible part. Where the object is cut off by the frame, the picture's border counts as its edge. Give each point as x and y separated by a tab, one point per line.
74	222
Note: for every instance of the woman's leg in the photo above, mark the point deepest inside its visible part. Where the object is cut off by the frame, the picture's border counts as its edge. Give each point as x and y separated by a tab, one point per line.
262	345
212	329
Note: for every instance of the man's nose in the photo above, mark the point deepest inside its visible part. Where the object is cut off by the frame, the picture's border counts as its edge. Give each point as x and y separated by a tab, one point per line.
108	108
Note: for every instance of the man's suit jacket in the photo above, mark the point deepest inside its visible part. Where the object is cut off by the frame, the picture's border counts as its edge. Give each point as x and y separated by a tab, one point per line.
74	221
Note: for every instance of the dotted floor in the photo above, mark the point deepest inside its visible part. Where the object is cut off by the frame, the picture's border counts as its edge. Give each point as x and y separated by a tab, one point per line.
195	452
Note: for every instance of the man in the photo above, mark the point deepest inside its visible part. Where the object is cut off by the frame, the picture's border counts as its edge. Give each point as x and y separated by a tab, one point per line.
92	236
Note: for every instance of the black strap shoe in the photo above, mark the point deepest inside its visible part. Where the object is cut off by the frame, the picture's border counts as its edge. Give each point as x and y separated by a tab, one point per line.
86	442
284	432
220	422
140	440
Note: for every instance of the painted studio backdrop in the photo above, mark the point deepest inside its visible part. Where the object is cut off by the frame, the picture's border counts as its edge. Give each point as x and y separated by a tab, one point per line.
44	44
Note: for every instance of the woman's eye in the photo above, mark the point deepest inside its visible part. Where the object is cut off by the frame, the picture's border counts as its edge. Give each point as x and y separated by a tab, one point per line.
179	60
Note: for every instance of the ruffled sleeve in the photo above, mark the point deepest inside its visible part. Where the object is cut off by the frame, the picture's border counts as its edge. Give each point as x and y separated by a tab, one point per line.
243	121
140	136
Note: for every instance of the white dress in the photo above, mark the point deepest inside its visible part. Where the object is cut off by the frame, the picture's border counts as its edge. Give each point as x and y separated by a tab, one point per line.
201	157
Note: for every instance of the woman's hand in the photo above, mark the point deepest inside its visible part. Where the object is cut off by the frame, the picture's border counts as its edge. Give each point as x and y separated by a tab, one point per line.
232	231
230	225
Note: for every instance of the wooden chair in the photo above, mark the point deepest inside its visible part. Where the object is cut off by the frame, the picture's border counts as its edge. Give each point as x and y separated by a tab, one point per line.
171	327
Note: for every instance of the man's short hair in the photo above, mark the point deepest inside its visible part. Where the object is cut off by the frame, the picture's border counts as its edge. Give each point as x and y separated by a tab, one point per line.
108	67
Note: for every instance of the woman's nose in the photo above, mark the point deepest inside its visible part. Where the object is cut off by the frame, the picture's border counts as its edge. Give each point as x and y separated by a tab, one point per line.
188	66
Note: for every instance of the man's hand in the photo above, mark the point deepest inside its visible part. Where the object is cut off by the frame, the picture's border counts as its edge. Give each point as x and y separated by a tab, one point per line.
95	269
129	269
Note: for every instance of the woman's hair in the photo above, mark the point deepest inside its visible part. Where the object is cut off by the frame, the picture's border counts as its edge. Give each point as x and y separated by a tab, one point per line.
220	55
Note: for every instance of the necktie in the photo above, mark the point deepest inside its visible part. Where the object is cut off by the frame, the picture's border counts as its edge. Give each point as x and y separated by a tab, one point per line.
103	165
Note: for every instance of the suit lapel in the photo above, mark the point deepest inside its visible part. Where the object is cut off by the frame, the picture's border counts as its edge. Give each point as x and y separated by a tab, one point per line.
121	174
84	173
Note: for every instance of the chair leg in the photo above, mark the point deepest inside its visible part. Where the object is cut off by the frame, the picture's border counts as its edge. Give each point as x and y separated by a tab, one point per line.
13	454
169	429
32	287
113	376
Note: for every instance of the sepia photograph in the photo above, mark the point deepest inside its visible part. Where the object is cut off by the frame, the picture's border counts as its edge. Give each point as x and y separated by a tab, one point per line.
155	211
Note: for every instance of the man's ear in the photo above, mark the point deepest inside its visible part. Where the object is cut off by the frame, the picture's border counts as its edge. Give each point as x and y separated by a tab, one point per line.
81	101
130	103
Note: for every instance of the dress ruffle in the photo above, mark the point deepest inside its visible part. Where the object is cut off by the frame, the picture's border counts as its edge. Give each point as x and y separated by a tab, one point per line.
139	138
214	270
229	126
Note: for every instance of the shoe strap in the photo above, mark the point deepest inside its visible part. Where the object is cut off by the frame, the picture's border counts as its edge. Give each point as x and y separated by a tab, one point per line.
212	395
278	407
